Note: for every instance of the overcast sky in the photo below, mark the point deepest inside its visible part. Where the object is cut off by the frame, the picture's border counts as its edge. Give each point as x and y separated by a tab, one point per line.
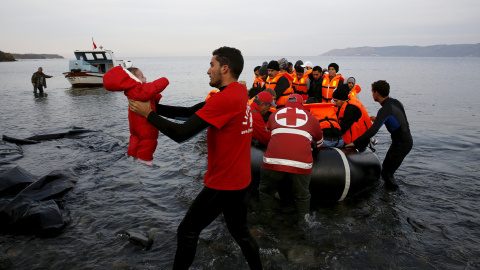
137	28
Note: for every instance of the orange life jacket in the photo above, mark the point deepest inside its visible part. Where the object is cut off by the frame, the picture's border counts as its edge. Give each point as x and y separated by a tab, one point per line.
355	90
359	127
307	72
328	86
326	113
272	83
258	83
300	87
213	92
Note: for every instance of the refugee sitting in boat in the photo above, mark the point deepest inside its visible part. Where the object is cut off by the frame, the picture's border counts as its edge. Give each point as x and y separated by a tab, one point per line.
259	107
143	136
330	82
352	115
314	83
326	113
279	82
300	83
252	93
353	88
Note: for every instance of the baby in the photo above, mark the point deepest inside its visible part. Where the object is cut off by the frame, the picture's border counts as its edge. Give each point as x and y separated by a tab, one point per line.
143	135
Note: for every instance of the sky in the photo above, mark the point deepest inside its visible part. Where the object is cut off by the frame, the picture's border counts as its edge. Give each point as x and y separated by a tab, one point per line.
153	28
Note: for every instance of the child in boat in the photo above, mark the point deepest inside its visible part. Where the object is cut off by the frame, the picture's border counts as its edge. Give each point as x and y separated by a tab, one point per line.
143	136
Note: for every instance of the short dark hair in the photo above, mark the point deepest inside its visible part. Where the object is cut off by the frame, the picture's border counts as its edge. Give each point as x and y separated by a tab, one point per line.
317	68
254	91
299	69
382	87
232	58
256	68
132	70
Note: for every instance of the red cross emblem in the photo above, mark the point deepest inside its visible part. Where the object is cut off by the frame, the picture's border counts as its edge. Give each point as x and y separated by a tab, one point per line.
291	116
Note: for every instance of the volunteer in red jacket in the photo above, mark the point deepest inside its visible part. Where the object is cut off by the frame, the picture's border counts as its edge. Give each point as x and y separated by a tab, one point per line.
260	106
228	118
289	152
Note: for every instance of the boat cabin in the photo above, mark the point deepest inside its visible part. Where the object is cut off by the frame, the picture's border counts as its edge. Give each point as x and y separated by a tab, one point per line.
99	61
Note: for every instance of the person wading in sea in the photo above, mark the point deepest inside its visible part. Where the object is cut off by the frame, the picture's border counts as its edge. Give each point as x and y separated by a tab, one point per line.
392	114
228	118
38	80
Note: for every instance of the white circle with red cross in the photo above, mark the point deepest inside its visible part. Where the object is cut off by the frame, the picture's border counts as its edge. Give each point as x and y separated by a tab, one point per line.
291	117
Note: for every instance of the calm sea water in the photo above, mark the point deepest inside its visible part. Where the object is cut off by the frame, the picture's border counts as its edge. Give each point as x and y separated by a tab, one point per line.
431	223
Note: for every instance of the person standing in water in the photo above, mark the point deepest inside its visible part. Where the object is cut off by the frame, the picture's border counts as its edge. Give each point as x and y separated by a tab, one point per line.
392	114
229	121
38	80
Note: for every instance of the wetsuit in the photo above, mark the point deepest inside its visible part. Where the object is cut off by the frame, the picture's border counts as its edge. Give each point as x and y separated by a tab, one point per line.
227	177
392	114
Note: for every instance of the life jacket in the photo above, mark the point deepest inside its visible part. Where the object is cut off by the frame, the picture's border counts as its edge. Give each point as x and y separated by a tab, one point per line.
355	90
307	72
213	92
359	127
326	113
300	87
328	86
272	83
258	83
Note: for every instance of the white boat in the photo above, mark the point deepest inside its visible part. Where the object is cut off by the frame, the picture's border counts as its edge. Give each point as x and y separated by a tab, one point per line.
90	65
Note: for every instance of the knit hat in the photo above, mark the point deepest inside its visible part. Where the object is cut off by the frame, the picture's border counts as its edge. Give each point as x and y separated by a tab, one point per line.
334	65
265	97
351	79
283	63
273	65
299	63
263	70
295	98
341	93
308	64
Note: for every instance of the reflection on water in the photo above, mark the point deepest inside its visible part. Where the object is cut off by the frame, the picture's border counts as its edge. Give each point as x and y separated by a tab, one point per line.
83	91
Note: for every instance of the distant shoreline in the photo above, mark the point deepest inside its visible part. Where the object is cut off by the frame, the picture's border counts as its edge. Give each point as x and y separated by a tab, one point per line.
10	57
36	56
459	50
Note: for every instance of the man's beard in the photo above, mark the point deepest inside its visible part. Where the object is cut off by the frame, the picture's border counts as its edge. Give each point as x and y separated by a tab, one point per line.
216	80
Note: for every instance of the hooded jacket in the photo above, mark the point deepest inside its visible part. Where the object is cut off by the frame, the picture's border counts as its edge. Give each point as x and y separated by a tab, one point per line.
143	139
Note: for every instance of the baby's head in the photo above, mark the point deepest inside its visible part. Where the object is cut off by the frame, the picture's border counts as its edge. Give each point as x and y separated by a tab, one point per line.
138	73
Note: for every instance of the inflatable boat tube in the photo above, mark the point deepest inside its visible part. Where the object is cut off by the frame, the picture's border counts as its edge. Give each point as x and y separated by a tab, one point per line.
337	173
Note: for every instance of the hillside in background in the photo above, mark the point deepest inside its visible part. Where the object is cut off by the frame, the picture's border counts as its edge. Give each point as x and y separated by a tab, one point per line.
36	56
459	50
6	57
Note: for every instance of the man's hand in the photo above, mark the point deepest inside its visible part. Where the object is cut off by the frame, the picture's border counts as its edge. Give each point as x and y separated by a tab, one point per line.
140	108
350	145
373	118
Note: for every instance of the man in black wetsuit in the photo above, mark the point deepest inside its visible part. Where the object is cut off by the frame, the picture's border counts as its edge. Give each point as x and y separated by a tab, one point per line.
392	114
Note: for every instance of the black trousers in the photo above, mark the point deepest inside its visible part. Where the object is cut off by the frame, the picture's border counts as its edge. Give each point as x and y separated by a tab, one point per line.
395	155
207	206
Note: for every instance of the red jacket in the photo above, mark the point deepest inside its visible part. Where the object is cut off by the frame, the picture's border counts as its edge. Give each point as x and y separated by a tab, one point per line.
293	129
260	130
143	139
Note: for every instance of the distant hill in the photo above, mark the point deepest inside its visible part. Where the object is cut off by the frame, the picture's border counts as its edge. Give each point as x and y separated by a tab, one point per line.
36	56
460	50
5	57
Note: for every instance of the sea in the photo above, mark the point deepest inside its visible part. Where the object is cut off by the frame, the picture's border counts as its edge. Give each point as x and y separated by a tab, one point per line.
431	222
